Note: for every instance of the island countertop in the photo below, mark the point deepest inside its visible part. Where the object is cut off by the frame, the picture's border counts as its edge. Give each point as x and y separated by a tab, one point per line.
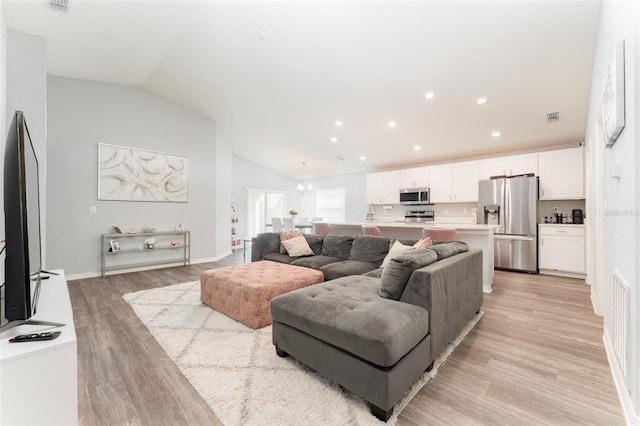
461	227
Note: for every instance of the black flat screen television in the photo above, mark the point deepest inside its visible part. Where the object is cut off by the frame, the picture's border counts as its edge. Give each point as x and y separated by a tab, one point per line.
23	261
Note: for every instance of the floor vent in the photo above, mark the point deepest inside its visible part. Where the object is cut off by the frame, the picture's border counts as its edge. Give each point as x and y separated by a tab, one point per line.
621	323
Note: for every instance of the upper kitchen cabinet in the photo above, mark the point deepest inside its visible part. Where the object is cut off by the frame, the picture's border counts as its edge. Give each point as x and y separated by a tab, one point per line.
454	183
414	178
508	166
383	187
562	174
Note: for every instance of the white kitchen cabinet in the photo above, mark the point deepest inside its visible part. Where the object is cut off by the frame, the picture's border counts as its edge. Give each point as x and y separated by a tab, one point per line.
383	187
464	180
414	178
440	183
454	183
561	250
508	166
562	174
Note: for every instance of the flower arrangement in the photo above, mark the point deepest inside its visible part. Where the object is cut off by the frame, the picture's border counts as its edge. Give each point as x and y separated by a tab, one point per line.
293	212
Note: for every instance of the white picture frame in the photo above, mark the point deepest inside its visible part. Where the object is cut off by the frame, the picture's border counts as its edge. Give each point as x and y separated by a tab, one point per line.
131	174
613	111
115	245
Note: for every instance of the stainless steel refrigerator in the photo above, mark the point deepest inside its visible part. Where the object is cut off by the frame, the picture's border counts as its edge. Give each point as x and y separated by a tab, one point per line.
511	203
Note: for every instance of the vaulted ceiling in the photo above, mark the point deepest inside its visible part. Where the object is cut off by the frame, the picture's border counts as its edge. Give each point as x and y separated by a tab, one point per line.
276	76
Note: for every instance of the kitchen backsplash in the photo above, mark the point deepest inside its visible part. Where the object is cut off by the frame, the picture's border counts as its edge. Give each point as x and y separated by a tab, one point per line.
462	212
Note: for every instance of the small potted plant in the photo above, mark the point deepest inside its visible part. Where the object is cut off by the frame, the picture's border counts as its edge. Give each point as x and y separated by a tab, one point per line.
150	242
293	213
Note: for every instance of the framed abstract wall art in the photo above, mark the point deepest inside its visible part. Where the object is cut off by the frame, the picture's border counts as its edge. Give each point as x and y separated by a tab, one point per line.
131	174
613	96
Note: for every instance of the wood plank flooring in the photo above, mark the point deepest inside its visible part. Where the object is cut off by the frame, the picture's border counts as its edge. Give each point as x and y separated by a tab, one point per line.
536	357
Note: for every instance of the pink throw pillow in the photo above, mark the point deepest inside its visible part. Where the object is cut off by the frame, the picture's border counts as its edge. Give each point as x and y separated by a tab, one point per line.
285	235
423	243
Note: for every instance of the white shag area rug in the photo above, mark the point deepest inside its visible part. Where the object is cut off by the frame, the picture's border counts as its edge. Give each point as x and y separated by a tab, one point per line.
237	372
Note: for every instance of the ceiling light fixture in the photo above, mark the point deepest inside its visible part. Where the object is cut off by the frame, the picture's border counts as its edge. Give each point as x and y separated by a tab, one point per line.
482	100
417	148
334	140
339	123
429	95
301	187
495	134
392	124
362	157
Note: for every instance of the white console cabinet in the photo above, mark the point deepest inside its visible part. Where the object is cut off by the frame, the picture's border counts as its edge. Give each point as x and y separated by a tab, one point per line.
39	380
562	250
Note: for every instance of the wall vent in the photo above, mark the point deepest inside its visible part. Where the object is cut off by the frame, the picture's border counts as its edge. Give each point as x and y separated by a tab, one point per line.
553	116
621	323
59	5
339	158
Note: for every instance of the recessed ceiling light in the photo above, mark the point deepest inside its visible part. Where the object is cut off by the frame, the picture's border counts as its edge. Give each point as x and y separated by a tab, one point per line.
429	95
417	148
362	157
261	34
392	124
495	134
339	123
334	140
481	100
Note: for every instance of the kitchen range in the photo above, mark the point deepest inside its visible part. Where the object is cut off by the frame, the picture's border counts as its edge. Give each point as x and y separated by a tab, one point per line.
415	216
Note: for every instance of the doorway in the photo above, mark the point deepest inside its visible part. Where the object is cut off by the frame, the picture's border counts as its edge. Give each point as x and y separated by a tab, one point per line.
262	205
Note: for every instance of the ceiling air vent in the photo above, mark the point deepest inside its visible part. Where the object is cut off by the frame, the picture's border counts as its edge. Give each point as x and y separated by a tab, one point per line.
339	158
553	116
59	5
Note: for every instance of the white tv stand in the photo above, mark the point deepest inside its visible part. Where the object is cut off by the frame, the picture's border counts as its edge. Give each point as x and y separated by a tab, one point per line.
39	380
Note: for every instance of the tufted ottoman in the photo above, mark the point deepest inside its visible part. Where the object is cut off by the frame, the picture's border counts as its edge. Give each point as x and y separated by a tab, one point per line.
244	292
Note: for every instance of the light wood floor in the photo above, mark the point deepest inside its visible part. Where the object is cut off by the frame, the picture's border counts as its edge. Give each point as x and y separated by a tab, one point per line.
536	357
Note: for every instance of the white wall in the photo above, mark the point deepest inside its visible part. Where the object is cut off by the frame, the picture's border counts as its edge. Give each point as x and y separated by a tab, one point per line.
26	91
224	188
355	185
619	203
83	114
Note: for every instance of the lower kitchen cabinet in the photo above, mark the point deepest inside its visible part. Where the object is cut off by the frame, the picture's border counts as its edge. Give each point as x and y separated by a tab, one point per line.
561	250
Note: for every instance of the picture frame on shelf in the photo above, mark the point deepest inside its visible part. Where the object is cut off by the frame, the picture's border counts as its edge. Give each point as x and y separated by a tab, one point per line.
117	229
115	245
180	227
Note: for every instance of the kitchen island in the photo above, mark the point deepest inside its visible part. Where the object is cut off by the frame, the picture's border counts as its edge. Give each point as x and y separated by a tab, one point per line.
476	236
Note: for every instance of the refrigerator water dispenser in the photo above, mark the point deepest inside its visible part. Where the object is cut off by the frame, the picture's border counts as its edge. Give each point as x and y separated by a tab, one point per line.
492	214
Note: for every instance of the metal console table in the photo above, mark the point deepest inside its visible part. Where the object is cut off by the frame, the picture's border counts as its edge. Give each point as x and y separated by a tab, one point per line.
134	243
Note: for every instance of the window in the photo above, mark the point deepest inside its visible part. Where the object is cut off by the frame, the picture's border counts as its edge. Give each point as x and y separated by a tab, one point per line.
330	204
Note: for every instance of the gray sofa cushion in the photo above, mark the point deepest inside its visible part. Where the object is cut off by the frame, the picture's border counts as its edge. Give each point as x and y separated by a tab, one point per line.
345	268
368	248
396	274
315	242
265	243
449	248
337	246
349	314
280	257
315	262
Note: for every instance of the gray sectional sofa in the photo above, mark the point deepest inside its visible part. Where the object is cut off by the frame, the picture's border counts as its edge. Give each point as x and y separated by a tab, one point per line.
374	331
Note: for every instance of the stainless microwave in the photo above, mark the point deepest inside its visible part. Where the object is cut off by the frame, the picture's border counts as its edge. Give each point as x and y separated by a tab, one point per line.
412	196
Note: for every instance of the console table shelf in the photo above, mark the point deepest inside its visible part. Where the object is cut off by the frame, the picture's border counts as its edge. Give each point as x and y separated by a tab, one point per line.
134	243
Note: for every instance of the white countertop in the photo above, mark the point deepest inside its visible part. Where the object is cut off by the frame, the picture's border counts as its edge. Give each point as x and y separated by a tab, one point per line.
418	225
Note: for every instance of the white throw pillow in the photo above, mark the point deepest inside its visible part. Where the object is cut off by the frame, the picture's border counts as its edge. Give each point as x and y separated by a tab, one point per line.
395	250
297	247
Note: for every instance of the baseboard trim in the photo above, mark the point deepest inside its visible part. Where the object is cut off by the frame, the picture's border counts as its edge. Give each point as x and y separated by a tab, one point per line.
630	416
97	274
594	304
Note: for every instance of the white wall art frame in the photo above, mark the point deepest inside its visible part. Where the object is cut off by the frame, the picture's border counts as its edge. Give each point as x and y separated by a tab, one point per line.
131	174
613	96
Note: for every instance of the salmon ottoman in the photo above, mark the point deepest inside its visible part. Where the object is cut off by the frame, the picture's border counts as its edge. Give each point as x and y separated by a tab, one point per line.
244	292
